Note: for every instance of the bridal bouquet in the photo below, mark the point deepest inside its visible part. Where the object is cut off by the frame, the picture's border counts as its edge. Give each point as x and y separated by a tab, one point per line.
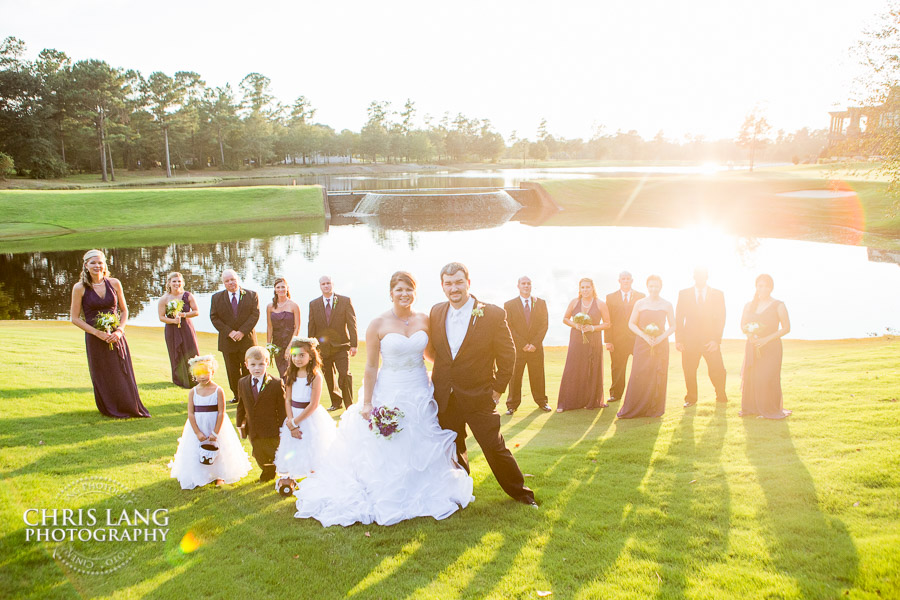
107	322
582	319
385	422
750	329
273	351
173	307
652	330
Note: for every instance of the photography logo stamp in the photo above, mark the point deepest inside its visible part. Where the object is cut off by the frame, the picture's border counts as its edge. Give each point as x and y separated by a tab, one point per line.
95	525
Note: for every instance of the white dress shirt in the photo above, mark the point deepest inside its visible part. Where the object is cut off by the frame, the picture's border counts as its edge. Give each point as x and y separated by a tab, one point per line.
700	294
626	296
325	301
458	324
526	301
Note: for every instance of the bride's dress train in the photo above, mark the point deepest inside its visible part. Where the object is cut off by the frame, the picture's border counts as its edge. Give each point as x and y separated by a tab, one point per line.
367	478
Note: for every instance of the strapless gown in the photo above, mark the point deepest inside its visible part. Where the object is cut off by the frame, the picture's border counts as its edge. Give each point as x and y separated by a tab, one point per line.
367	478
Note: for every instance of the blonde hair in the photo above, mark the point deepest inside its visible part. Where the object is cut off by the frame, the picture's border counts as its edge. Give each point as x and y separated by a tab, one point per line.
256	353
590	281
86	280
169	280
207	359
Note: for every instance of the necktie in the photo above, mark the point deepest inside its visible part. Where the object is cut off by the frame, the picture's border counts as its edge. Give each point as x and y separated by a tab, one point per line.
627	297
255	388
528	312
328	309
234	304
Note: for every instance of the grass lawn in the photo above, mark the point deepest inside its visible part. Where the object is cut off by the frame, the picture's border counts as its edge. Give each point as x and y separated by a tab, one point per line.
39	220
740	202
698	504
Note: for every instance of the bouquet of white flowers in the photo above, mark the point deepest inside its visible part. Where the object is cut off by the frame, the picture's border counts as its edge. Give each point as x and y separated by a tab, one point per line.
582	319
173	307
107	322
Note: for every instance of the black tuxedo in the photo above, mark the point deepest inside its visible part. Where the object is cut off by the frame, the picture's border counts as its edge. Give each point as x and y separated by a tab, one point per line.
263	417
697	324
463	389
621	337
336	336
527	331
225	321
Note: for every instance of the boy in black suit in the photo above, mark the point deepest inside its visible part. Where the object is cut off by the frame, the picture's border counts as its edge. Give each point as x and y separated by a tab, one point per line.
260	410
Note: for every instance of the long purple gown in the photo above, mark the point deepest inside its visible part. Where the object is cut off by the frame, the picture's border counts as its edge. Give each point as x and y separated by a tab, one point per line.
646	393
182	345
761	374
582	379
115	389
282	332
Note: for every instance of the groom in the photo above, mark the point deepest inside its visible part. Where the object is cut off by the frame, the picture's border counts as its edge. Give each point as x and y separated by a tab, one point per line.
474	356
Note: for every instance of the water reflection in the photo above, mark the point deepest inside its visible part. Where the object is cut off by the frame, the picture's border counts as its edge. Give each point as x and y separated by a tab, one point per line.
361	258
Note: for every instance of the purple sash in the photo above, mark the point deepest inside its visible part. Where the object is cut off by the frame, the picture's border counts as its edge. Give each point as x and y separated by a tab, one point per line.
206	408
296	404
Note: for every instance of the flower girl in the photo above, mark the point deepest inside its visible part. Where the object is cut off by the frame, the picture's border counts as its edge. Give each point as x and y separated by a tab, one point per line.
208	449
308	430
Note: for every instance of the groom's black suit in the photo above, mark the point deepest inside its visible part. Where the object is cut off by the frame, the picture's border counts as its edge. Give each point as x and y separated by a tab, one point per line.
464	386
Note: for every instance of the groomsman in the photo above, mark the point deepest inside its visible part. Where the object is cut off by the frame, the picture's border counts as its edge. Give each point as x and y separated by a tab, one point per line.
332	321
528	320
619	335
699	323
234	313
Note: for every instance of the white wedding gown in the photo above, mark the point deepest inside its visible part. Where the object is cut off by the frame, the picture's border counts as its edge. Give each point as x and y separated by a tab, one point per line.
367	478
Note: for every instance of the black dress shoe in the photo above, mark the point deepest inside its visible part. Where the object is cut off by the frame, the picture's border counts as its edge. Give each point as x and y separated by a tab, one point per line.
332	408
510	412
263	477
546	408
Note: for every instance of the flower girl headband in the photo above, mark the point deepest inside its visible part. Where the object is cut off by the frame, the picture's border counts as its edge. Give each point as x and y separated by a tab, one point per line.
313	342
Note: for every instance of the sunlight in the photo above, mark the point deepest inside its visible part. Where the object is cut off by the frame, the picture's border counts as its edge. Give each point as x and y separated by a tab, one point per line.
386	567
454	579
189	543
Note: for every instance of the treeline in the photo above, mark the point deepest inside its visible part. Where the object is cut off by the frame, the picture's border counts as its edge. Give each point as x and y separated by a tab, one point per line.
59	117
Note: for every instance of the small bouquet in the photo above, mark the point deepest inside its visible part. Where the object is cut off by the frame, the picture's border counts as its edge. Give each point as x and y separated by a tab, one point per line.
273	350
107	322
173	307
652	331
583	319
385	422
750	329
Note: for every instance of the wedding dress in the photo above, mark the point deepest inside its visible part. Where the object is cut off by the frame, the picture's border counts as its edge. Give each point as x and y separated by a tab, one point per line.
368	478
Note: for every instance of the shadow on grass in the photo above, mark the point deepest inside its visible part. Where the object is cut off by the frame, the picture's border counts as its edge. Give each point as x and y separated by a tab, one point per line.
812	548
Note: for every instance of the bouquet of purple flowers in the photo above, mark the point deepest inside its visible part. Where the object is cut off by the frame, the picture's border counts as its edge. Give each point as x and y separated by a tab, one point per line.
385	422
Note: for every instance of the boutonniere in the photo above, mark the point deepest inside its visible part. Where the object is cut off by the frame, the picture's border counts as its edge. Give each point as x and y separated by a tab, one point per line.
264	382
334	301
243	292
478	311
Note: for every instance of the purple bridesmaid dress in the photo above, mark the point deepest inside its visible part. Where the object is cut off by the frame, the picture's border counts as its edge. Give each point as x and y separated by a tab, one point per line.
646	393
182	345
115	389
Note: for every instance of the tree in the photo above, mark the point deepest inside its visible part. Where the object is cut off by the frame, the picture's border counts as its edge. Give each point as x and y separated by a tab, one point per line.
163	94
7	165
752	135
879	53
100	90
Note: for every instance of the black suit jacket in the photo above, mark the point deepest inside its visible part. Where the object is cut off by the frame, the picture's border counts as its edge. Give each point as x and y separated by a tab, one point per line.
699	324
619	314
340	333
523	333
225	321
265	415
484	363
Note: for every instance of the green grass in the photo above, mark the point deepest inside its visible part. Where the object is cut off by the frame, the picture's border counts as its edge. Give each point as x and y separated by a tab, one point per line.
35	217
743	203
699	504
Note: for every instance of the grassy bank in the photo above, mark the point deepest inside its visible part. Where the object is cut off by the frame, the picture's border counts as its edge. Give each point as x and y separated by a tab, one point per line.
42	220
743	203
699	504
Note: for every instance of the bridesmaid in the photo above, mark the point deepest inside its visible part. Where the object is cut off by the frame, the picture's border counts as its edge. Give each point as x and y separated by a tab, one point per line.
282	323
646	393
761	373
181	339
582	379
109	359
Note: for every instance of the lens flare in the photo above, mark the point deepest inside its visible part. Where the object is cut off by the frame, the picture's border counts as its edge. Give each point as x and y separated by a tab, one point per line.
189	543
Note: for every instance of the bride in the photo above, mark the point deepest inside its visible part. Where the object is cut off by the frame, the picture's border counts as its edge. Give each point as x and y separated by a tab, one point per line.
413	473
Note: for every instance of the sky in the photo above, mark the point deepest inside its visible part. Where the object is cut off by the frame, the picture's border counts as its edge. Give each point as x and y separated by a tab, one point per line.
694	67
